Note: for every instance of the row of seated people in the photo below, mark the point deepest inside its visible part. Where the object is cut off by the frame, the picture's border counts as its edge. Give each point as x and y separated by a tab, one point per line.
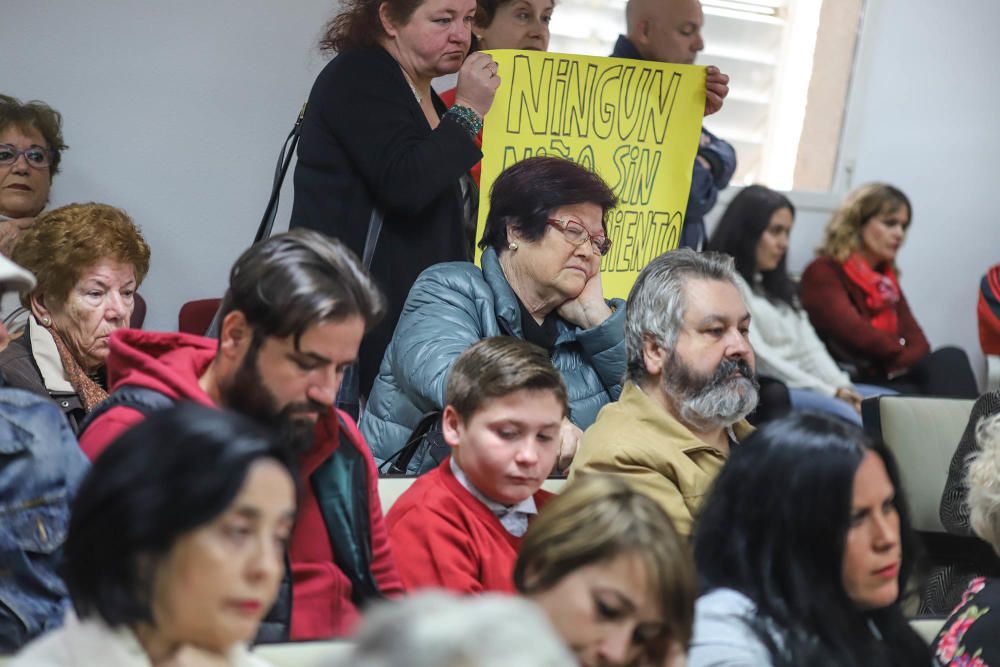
296	310
540	281
877	351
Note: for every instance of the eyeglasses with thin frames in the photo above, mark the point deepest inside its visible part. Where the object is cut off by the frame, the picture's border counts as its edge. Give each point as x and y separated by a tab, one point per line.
35	156
577	234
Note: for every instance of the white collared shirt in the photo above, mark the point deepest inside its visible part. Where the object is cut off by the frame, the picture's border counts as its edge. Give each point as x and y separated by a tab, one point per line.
514	518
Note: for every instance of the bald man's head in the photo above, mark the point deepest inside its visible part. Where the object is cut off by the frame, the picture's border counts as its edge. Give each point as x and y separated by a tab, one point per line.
667	31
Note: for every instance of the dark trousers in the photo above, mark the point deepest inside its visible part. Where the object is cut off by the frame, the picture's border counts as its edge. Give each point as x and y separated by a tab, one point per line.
945	372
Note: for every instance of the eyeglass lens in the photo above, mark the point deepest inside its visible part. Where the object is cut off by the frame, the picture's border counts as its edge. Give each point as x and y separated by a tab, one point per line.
36	156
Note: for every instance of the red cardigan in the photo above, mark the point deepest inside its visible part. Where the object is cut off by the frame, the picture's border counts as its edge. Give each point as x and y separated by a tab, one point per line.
444	537
839	313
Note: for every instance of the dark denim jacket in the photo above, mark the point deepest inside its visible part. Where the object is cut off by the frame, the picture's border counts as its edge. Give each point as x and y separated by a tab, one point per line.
41	467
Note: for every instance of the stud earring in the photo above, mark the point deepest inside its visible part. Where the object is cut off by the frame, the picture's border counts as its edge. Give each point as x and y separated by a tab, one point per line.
46	321
512	245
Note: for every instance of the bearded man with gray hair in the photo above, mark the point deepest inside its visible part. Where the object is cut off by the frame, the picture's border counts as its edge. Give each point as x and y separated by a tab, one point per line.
691	383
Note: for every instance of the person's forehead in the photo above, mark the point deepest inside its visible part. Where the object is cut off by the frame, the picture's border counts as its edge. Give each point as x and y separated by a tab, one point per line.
709	298
14	133
680	12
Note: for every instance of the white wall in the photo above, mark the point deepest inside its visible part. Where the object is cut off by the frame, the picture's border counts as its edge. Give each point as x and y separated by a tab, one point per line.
923	115
174	111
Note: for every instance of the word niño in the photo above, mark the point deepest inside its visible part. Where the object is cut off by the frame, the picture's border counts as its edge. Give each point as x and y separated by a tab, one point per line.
558	99
635	168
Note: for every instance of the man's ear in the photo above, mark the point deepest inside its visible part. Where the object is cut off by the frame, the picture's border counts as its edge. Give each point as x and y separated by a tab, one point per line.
643	29
451	427
235	335
654	356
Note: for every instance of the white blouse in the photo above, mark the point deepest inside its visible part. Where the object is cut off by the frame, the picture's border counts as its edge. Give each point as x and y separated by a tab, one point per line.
786	345
92	642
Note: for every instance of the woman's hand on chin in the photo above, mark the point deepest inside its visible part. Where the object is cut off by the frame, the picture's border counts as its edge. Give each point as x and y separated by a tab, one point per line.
589	308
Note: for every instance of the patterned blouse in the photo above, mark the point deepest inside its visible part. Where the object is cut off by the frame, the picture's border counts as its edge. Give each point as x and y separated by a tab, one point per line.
971	635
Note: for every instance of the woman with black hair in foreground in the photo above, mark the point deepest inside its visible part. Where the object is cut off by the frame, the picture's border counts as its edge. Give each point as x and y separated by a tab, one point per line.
176	546
803	546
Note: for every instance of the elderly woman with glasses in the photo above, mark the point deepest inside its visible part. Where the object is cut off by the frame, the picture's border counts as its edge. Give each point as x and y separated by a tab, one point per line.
540	281
89	260
31	144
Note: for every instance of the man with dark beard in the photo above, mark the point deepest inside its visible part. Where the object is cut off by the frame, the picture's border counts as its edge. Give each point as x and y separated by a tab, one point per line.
293	317
691	383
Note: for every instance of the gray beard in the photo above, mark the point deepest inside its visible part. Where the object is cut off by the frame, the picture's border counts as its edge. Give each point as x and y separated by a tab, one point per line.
711	402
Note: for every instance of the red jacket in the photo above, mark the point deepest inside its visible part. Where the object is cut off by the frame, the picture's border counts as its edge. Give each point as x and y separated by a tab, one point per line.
988	309
839	313
172	363
444	537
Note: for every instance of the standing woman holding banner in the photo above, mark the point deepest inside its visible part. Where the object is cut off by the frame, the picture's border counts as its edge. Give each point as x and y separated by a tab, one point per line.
383	164
507	24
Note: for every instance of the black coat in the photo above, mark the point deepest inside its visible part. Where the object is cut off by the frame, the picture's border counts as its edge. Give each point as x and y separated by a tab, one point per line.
366	142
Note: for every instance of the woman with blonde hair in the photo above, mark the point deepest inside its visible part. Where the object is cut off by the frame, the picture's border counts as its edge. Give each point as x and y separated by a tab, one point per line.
89	260
607	566
857	307
969	636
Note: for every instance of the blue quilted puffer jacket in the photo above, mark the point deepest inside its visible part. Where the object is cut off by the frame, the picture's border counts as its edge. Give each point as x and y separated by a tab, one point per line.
450	307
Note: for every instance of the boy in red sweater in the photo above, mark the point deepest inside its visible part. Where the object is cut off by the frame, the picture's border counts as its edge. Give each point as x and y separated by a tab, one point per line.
459	526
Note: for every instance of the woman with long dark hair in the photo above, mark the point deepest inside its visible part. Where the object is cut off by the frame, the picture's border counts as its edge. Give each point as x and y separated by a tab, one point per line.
755	230
804	546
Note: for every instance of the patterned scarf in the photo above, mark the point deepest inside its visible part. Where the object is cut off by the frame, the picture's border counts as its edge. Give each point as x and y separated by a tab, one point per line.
881	291
86	388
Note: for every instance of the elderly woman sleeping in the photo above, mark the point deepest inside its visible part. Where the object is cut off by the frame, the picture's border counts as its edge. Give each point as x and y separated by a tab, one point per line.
540	281
89	260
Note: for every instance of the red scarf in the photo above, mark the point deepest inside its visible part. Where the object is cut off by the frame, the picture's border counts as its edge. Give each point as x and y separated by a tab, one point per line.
881	291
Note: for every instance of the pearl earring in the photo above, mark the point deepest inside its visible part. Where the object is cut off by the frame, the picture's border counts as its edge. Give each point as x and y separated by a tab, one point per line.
46	321
512	245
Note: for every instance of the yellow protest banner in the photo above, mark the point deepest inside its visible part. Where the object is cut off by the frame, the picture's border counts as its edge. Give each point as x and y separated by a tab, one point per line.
635	123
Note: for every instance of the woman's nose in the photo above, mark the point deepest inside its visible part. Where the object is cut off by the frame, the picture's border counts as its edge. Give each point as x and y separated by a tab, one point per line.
616	646
117	309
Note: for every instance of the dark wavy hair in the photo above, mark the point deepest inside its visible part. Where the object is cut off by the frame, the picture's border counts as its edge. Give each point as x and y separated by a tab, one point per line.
358	25
774	528
740	228
167	476
528	192
297	279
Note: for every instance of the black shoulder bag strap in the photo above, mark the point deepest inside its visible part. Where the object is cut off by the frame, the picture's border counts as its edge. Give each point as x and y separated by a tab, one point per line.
271	211
280	169
340	484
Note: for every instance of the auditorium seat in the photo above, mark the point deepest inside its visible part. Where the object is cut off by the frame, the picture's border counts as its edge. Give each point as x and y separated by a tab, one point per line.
195	316
922	433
